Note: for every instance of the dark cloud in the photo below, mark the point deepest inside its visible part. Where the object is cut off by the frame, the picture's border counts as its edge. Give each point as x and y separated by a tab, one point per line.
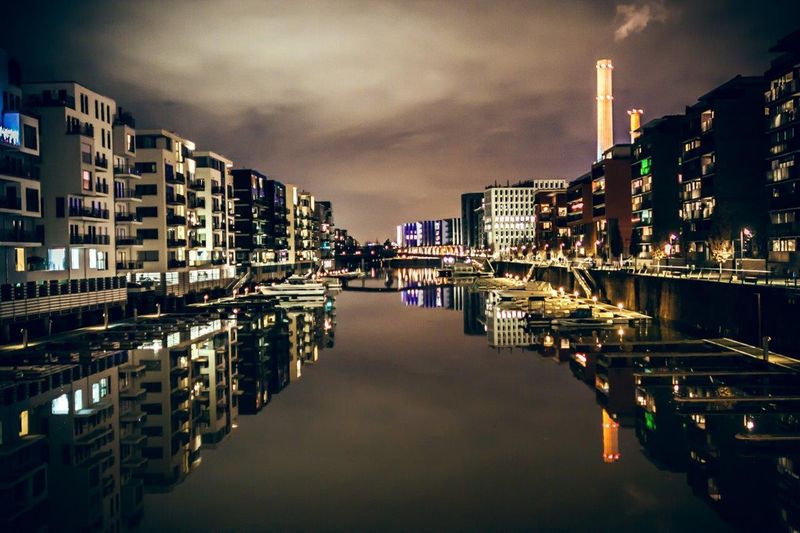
391	109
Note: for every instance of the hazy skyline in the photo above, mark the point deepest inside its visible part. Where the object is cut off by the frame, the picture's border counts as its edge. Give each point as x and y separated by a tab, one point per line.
392	109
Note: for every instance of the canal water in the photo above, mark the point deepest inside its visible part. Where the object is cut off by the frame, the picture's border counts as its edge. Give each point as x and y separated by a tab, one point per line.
432	409
400	403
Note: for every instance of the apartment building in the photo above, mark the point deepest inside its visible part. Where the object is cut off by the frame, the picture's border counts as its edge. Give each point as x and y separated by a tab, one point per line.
655	200
579	215
721	174
508	218
183	216
470	203
75	267
325	229
783	154
261	222
552	230
611	202
302	226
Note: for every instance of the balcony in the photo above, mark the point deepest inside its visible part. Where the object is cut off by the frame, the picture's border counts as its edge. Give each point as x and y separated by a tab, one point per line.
176	178
194	243
176	220
216	189
129	241
130	265
197	203
89	239
19	169
176	199
20	236
127	217
216	208
219	261
176	243
175	263
80	211
76	128
127	171
101	187
127	195
197	185
101	161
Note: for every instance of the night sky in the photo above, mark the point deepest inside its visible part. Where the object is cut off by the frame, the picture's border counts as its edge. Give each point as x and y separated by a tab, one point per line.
392	109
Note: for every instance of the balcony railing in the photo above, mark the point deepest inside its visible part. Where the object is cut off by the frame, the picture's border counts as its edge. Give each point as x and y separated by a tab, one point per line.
76	211
19	169
175	263
11	235
216	189
176	243
89	239
101	187
129	241
176	220
127	217
197	185
127	194
197	203
77	128
126	170
130	265
101	162
176	177
11	203
176	199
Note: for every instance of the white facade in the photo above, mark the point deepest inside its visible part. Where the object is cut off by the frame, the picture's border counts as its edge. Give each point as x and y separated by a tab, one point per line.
509	219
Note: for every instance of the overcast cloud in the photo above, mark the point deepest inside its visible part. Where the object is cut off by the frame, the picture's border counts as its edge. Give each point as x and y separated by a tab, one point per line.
392	109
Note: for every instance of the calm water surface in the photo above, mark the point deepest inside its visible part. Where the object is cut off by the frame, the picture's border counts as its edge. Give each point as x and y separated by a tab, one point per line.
413	421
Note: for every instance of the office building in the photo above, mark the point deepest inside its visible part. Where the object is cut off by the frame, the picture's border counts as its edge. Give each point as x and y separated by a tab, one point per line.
470	203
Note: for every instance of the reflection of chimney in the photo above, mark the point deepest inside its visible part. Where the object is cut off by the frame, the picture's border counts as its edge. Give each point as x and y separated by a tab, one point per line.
610	439
605	107
636	123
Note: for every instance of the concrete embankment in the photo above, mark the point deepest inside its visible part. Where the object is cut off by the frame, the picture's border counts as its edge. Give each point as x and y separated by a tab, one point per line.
739	311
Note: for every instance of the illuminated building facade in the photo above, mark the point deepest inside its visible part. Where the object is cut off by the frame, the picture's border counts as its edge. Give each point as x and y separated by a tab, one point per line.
579	215
655	201
508	218
721	174
426	233
552	231
302	226
783	154
611	202
325	229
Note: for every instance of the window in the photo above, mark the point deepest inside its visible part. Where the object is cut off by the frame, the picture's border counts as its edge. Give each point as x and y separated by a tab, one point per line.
75	258
152	387
19	259
101	260
78	400
95	392
23	423
146	168
104	383
29	137
60	405
92	258
56	259
153	453
152	408
86	180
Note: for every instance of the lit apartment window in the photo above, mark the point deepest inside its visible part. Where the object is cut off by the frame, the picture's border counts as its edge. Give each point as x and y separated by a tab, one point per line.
23	423
78	400
60	405
86	180
19	259
75	258
56	259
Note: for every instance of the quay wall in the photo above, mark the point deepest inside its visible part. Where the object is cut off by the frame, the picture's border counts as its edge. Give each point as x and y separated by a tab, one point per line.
696	306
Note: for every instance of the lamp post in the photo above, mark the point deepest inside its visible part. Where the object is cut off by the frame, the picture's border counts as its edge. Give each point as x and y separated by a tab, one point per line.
742	233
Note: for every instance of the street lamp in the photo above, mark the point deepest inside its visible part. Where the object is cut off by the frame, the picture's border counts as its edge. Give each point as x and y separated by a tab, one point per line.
744	232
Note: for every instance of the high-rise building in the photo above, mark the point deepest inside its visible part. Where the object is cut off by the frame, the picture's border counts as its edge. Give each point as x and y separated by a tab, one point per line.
655	200
721	181
302	232
437	232
470	203
783	154
508	218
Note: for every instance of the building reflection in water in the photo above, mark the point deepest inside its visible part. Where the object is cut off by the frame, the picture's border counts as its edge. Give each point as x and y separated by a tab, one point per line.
91	421
730	423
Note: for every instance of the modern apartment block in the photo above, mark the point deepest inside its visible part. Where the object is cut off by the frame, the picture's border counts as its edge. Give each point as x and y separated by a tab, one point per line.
552	230
611	202
721	175
183	216
655	200
302	227
470	203
783	154
75	268
579	214
508	213
325	229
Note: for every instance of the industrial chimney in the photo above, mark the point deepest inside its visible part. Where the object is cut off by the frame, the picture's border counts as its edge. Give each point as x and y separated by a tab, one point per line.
636	122
605	107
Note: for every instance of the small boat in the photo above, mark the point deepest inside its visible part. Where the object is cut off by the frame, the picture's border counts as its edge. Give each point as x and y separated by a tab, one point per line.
583	317
462	270
295	287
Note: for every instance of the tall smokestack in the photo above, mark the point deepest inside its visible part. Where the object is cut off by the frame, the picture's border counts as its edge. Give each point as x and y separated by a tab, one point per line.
636	123
605	107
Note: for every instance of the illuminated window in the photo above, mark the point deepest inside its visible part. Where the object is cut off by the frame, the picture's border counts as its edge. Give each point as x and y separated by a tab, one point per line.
23	423
19	259
75	258
86	180
60	405
78	400
95	392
